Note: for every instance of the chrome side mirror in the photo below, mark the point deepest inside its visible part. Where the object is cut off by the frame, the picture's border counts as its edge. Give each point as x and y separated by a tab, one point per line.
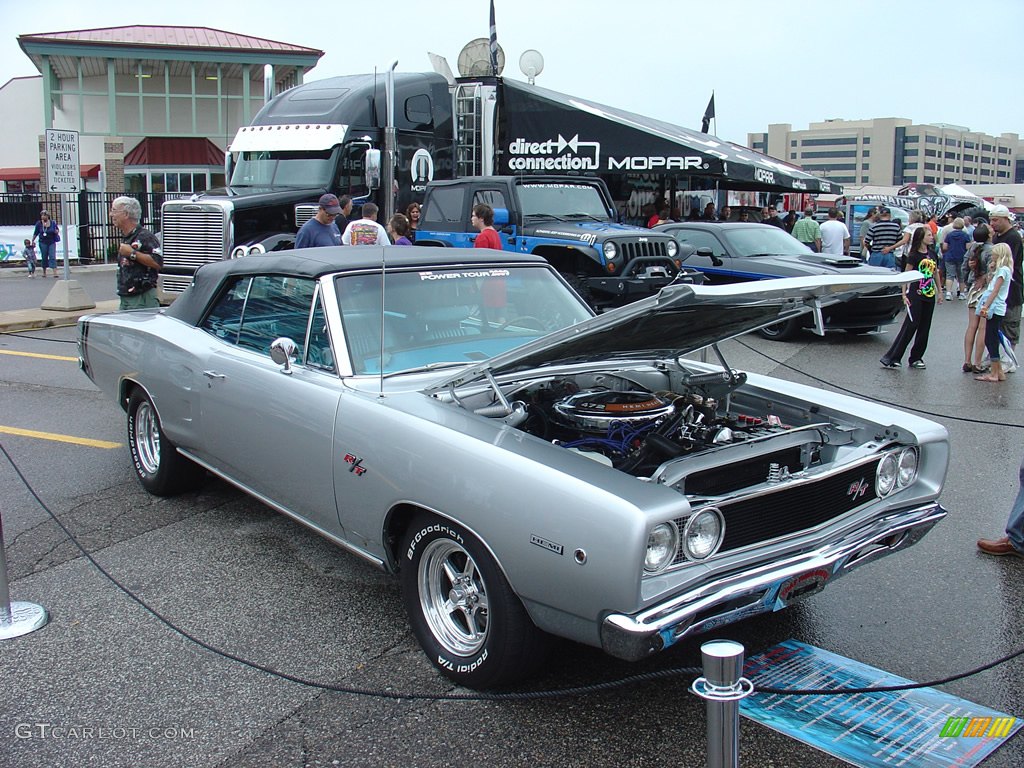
282	352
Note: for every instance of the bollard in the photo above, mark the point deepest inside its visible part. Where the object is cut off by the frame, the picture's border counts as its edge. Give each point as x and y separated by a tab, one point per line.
722	687
16	619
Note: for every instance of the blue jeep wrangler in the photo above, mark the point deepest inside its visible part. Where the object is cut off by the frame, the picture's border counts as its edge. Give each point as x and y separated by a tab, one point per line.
570	221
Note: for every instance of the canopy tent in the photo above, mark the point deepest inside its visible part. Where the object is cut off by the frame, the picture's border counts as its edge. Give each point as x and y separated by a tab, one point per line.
550	131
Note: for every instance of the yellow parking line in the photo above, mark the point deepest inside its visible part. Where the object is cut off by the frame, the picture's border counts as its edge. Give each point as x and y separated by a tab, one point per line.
59	438
36	354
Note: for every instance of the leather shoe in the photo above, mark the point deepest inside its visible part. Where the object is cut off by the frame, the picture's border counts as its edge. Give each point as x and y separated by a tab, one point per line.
1000	546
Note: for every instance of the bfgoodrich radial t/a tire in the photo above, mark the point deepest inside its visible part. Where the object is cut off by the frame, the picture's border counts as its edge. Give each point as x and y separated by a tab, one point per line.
158	465
464	614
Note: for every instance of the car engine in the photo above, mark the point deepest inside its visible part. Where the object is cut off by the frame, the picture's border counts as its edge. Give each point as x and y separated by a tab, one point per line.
646	432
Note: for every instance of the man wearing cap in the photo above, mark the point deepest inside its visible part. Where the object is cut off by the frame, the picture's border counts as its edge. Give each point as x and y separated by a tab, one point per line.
321	229
1004	232
882	238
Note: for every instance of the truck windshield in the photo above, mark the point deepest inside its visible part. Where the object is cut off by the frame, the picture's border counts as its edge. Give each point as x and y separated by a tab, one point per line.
283	169
562	201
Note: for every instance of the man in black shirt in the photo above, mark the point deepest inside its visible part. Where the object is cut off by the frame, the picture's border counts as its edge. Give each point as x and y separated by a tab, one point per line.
1004	232
771	216
138	256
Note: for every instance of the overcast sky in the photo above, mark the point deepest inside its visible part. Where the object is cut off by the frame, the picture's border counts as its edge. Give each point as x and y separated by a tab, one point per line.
767	62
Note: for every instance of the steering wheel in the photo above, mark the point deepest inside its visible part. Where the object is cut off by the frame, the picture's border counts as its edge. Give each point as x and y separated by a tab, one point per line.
527	320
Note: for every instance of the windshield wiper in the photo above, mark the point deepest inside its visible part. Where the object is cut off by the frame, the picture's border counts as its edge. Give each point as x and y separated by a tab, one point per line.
583	216
543	216
427	367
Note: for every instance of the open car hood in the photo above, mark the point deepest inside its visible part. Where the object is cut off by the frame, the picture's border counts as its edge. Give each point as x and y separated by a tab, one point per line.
678	320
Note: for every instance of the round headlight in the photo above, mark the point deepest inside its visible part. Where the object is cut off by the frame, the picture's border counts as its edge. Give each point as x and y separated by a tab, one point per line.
258	248
610	251
885	479
662	543
239	252
672	248
703	533
908	468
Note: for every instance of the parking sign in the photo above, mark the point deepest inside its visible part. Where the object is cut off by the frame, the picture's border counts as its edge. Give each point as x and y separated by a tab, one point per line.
62	171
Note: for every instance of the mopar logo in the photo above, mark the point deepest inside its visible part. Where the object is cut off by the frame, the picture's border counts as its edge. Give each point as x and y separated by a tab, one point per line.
675	163
763	176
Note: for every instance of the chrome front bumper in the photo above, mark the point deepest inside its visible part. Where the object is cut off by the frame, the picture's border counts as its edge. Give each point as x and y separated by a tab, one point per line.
762	588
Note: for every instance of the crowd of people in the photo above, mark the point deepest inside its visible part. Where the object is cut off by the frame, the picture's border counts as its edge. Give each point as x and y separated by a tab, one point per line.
976	262
331	225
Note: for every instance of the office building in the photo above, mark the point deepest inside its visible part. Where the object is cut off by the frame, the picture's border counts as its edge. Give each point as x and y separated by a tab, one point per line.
895	151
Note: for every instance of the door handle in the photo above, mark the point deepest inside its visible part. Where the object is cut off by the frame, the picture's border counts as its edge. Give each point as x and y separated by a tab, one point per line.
214	375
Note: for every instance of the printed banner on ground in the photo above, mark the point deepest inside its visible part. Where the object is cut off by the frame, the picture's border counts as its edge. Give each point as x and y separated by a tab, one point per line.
922	728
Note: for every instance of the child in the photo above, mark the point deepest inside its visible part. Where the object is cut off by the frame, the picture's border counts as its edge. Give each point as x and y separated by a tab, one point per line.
992	305
29	254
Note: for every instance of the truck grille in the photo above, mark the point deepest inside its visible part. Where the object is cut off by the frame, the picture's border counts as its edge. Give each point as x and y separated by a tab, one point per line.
793	508
634	250
193	238
303	213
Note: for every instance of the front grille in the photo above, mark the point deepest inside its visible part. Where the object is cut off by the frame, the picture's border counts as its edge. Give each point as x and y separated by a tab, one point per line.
634	249
193	238
793	507
174	283
303	213
742	474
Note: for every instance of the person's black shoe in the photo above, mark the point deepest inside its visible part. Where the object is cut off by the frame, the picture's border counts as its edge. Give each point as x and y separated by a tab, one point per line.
889	363
919	364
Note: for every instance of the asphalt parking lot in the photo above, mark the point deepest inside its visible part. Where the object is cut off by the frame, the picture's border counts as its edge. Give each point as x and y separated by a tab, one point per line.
114	682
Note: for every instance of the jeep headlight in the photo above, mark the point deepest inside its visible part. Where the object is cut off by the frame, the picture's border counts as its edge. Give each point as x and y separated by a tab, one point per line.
258	248
239	252
703	533
662	543
610	251
907	468
672	248
885	477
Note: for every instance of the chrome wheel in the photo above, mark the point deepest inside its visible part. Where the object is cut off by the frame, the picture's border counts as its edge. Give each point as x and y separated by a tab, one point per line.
147	437
453	598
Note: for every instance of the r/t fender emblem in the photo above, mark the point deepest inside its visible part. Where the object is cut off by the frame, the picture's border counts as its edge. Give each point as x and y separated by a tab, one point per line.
356	464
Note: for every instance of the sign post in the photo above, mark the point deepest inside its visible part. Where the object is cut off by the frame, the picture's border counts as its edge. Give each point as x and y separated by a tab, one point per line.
64	177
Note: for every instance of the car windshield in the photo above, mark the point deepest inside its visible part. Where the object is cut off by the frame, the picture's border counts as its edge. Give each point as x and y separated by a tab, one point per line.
452	316
562	201
283	169
762	241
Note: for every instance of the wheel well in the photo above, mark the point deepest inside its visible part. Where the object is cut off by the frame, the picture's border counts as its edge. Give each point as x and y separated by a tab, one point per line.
569	260
128	388
395	525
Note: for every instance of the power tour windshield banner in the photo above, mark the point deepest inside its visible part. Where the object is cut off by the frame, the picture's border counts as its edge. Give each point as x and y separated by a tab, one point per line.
549	132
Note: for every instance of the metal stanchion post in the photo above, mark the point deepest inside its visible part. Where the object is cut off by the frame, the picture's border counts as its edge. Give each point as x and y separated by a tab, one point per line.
18	618
722	687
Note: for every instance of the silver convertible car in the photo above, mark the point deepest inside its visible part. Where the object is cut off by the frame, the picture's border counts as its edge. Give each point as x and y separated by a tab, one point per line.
528	469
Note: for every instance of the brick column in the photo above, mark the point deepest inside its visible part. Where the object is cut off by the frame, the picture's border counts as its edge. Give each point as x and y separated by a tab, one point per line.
113	164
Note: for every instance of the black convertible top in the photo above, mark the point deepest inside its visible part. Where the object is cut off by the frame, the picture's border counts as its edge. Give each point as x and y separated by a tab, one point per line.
314	262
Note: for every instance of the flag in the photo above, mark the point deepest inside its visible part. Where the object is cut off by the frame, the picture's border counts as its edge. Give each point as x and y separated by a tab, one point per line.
494	44
709	113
